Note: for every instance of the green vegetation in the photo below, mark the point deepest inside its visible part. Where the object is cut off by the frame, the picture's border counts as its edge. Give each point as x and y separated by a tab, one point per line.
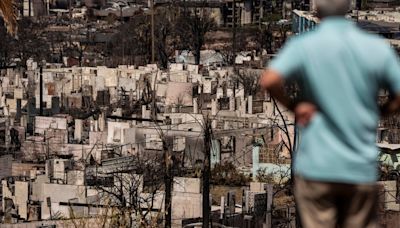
264	177
227	174
273	17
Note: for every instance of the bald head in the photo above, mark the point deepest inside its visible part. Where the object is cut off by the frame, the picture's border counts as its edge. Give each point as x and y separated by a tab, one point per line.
326	8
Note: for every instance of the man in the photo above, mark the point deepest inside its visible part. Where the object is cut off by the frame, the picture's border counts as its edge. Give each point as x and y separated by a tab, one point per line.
340	70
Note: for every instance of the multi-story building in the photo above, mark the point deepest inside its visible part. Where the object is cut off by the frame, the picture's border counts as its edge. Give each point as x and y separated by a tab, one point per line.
242	12
35	8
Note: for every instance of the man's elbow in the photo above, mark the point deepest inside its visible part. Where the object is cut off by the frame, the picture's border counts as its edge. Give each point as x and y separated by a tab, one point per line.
270	79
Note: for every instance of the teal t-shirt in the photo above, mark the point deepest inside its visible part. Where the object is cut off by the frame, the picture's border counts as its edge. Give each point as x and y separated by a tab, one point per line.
340	69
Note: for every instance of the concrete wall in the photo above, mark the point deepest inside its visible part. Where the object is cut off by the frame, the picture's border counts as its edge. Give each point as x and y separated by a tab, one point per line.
21	198
188	185
109	75
18	193
69	192
179	93
390	190
116	131
6	193
186	199
42	123
185	205
24	169
5	166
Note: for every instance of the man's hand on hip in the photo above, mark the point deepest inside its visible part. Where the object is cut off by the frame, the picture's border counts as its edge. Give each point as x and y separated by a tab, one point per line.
304	112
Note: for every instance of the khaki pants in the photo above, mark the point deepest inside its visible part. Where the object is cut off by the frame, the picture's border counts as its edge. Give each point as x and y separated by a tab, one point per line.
331	205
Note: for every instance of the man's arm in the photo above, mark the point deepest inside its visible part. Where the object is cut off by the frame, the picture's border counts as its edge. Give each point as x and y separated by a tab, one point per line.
390	80
286	66
274	83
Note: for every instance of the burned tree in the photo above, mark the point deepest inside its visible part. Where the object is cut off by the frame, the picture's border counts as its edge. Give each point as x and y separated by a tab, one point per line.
132	43
30	44
164	36
248	80
191	29
130	191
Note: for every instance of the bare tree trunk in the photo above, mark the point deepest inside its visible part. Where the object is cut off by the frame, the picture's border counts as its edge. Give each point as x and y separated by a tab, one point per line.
197	55
152	32
206	171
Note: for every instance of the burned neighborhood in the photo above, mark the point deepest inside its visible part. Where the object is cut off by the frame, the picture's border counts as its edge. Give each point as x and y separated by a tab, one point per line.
129	113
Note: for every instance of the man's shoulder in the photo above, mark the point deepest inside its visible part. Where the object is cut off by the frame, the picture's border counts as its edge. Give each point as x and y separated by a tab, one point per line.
359	34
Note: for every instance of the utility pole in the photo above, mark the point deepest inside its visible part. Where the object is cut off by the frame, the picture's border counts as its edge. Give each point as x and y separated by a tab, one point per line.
152	32
234	31
30	8
7	133
153	102
207	134
168	178
41	90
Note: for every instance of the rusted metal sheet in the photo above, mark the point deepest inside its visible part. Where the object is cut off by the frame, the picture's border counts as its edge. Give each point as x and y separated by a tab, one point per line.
51	88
